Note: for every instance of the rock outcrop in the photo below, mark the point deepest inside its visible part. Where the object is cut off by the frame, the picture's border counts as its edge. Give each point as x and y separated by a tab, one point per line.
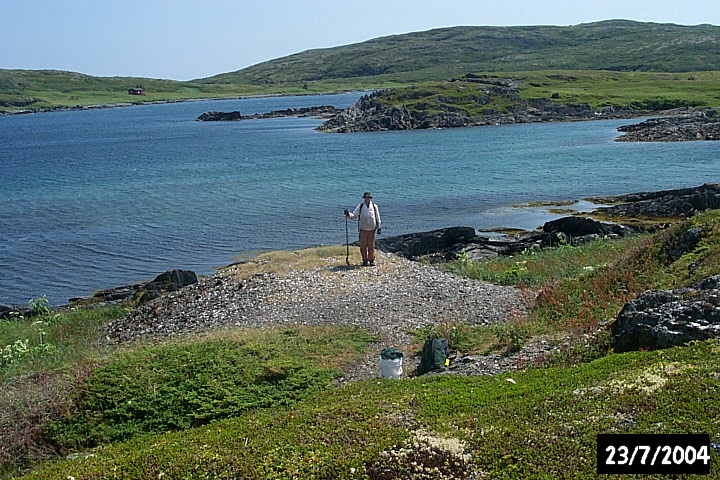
686	125
374	113
436	242
370	115
677	203
321	111
140	293
447	243
659	319
135	294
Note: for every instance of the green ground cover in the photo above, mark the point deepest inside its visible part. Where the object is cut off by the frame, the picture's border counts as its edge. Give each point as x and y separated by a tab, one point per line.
639	91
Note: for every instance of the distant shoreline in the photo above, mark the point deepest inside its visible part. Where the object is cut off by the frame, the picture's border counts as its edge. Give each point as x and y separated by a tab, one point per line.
103	106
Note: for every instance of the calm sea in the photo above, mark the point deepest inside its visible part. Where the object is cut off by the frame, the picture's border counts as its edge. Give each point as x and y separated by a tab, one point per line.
102	198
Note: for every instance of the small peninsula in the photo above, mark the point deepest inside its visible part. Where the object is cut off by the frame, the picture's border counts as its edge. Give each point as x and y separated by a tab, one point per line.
480	100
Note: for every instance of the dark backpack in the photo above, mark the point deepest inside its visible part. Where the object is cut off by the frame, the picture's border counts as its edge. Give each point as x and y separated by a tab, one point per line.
433	356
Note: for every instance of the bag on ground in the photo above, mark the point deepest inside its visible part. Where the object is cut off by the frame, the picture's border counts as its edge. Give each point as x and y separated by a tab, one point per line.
433	356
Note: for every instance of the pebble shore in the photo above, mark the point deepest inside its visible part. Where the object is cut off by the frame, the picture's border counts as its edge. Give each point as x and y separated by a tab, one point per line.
388	301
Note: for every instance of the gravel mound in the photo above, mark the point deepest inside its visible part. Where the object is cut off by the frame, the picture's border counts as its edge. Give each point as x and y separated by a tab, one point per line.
387	301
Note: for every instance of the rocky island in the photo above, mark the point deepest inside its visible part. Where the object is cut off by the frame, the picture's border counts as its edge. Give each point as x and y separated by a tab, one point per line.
480	100
677	126
320	111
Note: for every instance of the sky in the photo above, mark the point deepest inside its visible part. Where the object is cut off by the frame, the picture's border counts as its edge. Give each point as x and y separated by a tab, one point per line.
190	39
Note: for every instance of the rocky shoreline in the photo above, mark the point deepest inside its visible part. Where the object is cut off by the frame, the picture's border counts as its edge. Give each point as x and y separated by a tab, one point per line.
367	115
370	115
405	294
446	244
630	214
323	111
678	126
377	112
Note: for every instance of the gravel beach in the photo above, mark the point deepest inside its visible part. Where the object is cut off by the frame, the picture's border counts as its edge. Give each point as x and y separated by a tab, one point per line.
388	301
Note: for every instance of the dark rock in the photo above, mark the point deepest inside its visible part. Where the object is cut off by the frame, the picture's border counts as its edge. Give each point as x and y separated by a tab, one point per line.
321	111
687	243
10	311
414	245
141	298
447	243
181	278
577	227
678	203
139	293
690	124
710	283
668	318
214	116
483	247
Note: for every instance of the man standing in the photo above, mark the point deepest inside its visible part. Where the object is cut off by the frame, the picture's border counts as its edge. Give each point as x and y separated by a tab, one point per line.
368	217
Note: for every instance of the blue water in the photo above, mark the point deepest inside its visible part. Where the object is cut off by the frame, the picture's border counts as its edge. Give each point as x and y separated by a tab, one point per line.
101	198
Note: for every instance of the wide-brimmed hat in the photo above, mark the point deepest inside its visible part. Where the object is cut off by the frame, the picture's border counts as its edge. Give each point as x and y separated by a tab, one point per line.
367	194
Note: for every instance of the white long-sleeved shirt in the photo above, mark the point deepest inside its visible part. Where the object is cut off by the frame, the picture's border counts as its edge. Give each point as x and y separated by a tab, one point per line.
368	216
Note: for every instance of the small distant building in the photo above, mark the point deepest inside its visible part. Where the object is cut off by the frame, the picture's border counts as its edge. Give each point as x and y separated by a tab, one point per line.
137	91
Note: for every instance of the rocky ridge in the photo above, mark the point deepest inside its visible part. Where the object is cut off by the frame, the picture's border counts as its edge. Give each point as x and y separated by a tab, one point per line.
370	113
680	126
321	111
659	319
675	203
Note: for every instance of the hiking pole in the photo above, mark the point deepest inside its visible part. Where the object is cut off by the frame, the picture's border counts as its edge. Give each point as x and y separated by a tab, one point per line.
347	242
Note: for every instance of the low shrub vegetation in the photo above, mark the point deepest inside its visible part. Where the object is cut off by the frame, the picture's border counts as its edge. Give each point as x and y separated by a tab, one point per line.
541	425
179	386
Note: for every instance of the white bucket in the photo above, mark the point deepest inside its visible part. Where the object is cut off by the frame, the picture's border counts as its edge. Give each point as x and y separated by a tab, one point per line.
391	367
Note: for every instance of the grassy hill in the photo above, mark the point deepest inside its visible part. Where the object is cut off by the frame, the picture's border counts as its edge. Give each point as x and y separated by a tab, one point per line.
45	89
399	60
616	45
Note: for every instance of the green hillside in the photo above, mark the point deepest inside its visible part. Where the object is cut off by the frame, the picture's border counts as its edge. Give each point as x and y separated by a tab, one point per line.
617	45
398	60
45	89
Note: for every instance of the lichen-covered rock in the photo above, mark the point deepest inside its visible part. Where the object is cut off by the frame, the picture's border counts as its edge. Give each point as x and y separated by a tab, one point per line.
692	124
659	319
678	203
